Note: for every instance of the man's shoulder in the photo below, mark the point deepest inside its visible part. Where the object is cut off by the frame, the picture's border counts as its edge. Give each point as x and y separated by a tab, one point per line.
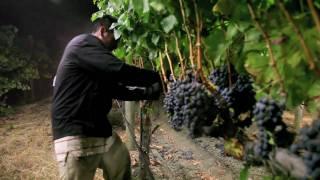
82	38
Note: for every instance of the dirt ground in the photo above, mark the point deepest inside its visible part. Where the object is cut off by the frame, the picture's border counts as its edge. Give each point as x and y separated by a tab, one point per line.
27	151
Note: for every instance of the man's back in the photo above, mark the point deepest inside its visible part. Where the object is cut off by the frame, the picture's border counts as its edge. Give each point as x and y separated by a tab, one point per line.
82	96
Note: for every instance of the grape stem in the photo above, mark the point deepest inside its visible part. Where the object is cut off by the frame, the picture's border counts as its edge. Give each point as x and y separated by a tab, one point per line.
306	49
212	88
180	56
163	84
229	73
191	57
162	69
268	44
141	65
314	14
169	60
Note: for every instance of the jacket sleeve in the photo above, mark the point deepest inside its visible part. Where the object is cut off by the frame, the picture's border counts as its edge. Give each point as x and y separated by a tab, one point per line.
96	59
133	76
133	93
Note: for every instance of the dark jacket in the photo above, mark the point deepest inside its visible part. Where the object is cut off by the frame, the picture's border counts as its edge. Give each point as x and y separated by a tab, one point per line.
87	79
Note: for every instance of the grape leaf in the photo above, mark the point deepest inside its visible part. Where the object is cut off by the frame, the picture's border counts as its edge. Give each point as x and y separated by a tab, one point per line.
168	23
234	148
155	39
314	90
158	6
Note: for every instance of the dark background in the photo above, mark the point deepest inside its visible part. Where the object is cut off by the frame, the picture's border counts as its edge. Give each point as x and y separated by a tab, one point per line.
54	22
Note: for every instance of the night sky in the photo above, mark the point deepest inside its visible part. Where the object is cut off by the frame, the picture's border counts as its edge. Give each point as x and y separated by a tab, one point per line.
53	21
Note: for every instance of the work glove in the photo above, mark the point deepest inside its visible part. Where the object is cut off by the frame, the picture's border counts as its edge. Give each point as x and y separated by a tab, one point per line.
153	92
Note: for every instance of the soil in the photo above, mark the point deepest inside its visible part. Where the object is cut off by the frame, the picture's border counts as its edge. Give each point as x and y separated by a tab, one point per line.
202	158
27	152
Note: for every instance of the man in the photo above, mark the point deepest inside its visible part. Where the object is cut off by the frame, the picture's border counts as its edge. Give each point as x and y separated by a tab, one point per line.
87	79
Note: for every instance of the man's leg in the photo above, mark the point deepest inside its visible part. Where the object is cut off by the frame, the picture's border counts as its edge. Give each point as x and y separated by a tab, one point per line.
79	168
116	162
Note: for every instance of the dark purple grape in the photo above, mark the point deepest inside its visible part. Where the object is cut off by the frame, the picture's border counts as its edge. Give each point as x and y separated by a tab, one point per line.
307	147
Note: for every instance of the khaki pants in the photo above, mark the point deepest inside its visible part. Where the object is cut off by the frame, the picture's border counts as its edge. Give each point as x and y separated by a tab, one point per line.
115	163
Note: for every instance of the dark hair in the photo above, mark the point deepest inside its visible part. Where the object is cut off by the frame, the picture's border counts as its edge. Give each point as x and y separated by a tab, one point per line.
105	21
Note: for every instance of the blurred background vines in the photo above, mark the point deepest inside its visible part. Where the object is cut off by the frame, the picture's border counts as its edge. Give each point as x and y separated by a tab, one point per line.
231	64
20	65
32	39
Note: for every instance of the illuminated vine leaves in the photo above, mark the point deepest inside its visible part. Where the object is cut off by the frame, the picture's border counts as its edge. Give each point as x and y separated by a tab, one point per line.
145	26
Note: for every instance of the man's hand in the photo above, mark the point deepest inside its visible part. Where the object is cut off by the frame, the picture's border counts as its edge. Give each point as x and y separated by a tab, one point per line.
153	91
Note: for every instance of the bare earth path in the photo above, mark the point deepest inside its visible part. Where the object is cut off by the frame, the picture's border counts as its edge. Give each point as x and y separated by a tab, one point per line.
26	151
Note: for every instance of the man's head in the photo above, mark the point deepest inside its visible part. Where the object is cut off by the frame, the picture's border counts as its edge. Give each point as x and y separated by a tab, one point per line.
101	29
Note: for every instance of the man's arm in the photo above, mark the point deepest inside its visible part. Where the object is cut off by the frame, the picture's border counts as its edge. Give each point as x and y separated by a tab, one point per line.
99	61
133	76
135	93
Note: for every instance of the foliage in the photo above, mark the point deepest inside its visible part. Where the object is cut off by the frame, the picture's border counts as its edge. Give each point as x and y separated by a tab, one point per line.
275	41
17	65
228	35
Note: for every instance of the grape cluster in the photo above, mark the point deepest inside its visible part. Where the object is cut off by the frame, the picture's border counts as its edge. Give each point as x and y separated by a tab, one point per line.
188	103
268	116
172	107
199	109
220	77
262	147
238	96
307	146
244	95
168	101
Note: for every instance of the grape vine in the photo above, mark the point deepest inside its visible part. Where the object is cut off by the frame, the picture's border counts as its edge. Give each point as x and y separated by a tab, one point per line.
250	52
307	146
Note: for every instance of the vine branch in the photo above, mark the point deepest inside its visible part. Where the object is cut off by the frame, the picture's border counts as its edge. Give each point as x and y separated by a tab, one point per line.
268	44
180	55
199	24
191	56
307	51
169	60
314	13
162	69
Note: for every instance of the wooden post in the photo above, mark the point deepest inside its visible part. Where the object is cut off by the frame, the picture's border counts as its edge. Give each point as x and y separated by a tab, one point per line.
298	116
145	138
130	116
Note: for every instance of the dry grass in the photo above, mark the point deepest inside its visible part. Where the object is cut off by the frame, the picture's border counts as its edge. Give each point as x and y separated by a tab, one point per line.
26	147
26	144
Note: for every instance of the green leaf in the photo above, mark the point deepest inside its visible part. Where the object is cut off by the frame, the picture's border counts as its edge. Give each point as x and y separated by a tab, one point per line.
256	63
120	53
215	45
313	106
244	174
267	178
317	4
168	23
314	89
116	4
155	39
138	6
152	54
295	59
224	7
146	7
157	6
